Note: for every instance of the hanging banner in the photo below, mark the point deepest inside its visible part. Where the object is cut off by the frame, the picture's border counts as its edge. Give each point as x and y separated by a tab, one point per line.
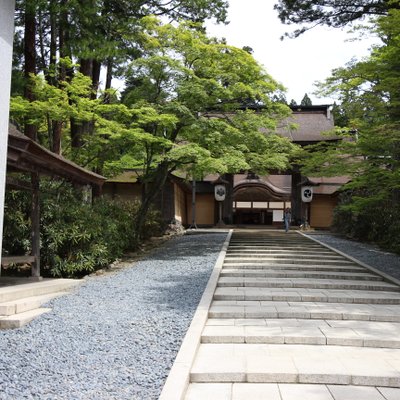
306	194
220	192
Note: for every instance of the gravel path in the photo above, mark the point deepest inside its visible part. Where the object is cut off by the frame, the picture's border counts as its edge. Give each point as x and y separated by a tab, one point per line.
371	255
117	336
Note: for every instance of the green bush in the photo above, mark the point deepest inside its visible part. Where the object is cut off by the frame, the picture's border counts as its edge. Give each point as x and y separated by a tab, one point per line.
370	221
16	225
76	238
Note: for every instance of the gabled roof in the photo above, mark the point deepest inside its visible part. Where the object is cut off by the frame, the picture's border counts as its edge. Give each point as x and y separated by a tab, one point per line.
25	155
312	124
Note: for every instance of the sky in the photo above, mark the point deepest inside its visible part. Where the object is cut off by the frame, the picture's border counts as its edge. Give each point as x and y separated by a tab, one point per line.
296	63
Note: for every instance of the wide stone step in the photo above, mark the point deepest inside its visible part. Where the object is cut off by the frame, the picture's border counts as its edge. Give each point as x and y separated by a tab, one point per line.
307	283
281	243
10	293
275	363
21	319
275	245
267	310
286	254
287	391
304	334
246	250
309	295
26	304
294	267
288	260
259	273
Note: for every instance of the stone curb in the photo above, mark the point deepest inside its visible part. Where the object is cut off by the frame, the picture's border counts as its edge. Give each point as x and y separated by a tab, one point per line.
373	269
177	382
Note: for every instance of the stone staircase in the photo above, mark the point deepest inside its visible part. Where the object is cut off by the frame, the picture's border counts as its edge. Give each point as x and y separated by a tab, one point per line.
293	320
21	303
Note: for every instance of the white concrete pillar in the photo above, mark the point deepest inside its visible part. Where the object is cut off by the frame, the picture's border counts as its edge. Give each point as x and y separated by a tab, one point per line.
6	47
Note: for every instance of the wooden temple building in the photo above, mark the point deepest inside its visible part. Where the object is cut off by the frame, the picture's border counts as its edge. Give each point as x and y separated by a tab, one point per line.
251	199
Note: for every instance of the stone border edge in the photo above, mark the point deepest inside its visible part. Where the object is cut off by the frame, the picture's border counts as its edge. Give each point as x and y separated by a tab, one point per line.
363	264
177	382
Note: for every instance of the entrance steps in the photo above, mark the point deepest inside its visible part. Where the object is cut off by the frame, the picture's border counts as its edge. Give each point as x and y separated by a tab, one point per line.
280	363
273	273
291	319
296	267
21	303
306	283
287	391
287	260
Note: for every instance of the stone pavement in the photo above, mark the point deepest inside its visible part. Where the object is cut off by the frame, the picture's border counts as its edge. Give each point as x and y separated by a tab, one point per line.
293	320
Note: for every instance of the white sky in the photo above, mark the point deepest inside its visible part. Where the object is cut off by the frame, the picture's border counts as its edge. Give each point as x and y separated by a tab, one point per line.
296	63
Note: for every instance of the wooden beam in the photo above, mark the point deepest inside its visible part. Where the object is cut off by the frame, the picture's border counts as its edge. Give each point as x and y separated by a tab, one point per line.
17	260
17	184
35	220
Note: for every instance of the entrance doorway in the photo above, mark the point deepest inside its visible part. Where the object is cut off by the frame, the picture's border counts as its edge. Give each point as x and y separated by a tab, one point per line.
256	201
259	213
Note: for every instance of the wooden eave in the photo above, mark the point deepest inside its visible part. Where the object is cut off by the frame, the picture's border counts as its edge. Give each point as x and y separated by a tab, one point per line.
25	155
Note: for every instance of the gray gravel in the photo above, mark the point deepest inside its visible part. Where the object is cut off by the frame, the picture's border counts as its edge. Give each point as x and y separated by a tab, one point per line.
367	253
117	336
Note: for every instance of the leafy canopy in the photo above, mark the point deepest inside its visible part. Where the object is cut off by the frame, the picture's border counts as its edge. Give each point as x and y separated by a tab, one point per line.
216	97
370	107
335	13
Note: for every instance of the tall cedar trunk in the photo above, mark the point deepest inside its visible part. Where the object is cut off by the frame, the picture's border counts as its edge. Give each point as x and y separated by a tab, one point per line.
43	63
95	78
30	59
108	79
79	129
63	38
53	40
56	126
56	130
149	195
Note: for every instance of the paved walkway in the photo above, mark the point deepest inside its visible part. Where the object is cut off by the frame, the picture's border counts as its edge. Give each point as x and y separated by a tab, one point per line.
293	320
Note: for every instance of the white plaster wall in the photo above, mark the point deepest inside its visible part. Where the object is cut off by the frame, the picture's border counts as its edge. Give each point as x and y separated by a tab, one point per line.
6	45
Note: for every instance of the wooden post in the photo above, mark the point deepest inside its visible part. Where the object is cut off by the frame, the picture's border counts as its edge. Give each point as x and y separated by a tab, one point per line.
35	229
193	224
228	202
6	46
297	212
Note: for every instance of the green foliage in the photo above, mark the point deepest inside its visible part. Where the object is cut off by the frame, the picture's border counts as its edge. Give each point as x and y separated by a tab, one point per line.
306	101
198	84
369	154
76	238
368	219
16	225
335	13
192	103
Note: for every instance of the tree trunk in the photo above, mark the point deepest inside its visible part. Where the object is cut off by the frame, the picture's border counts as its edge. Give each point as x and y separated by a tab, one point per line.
150	193
56	136
53	42
30	59
108	79
96	68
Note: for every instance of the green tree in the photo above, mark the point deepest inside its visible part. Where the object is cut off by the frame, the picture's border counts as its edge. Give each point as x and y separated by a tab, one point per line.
201	104
306	101
334	13
370	154
95	34
191	104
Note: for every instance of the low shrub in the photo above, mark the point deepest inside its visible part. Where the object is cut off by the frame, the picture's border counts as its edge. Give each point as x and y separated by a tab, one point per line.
377	222
76	238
